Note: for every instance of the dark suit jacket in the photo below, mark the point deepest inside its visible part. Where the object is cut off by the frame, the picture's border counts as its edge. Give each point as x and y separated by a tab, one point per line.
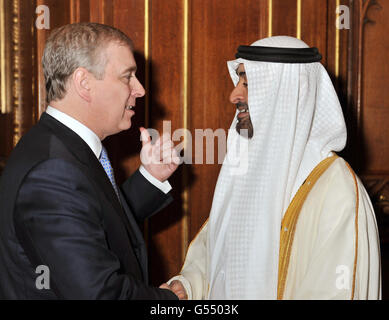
59	209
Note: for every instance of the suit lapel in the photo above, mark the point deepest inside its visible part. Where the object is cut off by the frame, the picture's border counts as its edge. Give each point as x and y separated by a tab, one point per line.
79	148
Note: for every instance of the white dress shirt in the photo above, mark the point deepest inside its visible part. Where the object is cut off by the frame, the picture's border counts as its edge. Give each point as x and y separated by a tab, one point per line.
93	141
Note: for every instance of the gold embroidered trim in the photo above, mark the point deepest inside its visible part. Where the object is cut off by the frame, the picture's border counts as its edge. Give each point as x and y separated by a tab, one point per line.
289	222
190	244
356	229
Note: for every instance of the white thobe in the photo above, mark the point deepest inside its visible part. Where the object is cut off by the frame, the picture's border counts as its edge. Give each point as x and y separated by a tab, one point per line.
330	246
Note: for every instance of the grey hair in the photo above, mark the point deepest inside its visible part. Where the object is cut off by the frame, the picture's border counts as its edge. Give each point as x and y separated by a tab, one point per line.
77	45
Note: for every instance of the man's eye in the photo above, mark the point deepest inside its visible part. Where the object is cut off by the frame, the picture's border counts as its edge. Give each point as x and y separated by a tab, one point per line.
127	79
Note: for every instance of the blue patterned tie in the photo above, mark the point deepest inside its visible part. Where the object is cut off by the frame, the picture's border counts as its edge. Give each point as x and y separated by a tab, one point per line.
104	160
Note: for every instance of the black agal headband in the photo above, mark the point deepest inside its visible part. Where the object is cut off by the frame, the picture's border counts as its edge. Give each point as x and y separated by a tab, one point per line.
281	55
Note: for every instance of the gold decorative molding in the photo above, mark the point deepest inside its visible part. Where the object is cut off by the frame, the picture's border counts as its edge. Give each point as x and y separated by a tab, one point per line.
185	192
337	47
147	59
41	36
5	58
270	18
22	39
17	74
17	70
298	22
146	225
35	109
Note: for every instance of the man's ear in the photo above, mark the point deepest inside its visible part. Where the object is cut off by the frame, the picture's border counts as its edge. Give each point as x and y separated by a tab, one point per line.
81	80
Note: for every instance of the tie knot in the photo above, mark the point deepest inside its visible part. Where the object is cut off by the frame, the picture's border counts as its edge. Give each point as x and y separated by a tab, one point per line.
104	160
103	154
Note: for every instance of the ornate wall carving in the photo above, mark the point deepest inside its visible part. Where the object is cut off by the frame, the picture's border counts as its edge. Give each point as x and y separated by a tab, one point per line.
17	71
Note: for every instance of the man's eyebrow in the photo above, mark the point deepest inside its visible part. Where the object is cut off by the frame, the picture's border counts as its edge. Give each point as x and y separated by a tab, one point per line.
130	69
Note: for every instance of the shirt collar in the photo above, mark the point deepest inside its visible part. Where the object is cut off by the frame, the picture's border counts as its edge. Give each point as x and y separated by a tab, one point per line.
86	134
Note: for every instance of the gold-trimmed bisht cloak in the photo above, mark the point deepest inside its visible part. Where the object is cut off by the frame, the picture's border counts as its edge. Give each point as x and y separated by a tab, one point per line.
329	244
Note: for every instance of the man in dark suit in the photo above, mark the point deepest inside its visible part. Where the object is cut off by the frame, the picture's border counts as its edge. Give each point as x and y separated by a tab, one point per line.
67	230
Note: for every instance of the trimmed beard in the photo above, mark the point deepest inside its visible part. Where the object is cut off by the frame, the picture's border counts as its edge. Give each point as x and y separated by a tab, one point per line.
245	123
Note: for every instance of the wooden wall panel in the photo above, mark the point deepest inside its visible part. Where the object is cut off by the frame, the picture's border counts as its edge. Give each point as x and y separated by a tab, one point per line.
336	57
79	11
284	17
59	16
313	25
101	11
375	112
129	16
372	147
167	89
22	73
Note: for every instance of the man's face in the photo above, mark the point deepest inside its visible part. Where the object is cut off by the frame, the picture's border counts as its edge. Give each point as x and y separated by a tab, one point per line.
239	97
115	94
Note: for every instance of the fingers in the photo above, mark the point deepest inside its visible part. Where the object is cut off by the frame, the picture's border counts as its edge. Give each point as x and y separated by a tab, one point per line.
146	152
145	136
164	150
164	140
177	287
164	286
175	157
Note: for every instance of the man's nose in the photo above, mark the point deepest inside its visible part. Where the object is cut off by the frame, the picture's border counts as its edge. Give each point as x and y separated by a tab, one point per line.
137	90
237	95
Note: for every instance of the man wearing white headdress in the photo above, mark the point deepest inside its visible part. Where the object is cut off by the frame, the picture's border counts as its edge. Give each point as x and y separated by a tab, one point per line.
297	223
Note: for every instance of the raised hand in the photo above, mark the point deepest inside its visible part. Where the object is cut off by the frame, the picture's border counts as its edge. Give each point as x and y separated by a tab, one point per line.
160	159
